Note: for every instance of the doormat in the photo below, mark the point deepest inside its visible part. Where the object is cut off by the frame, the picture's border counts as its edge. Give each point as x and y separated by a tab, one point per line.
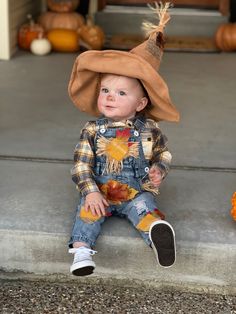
190	44
173	43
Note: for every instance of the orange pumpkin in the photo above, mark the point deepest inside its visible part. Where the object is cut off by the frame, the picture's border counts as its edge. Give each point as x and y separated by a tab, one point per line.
225	37
28	32
233	210
51	20
92	35
62	6
63	40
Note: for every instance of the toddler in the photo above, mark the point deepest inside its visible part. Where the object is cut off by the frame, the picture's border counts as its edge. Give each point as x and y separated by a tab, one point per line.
122	156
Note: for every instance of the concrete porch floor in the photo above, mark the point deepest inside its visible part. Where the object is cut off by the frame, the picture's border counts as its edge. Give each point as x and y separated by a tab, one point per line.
39	128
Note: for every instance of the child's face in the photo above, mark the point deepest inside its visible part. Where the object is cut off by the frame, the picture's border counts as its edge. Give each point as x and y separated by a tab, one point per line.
120	97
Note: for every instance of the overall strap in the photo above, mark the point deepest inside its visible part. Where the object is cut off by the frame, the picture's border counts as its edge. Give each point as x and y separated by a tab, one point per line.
102	122
139	123
142	165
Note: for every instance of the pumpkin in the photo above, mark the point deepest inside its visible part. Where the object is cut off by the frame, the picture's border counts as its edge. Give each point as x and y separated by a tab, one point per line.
40	46
64	40
28	32
225	37
233	210
62	6
92	35
51	20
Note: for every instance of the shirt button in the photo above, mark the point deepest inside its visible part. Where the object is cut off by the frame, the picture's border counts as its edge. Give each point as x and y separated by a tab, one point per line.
102	130
146	169
136	133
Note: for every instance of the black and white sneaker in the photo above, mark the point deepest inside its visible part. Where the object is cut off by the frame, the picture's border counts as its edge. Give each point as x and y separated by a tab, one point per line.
162	236
83	264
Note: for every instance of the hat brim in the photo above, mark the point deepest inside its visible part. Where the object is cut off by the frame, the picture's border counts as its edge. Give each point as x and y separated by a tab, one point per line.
85	80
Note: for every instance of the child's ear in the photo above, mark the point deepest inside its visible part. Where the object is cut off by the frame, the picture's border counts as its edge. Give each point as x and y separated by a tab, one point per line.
142	104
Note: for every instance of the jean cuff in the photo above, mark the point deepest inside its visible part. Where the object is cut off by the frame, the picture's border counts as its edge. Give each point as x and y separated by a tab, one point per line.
81	238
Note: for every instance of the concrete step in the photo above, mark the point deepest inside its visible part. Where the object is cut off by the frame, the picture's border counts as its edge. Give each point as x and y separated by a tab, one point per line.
37	210
39	129
184	22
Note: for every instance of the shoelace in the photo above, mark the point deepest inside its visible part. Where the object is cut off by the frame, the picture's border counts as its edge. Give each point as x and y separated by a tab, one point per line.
83	251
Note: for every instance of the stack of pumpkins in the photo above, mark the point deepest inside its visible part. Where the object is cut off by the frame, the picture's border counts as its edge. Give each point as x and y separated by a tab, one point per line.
62	29
66	29
61	24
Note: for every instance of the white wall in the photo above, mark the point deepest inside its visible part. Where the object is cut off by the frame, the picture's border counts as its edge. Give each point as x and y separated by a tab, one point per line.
12	15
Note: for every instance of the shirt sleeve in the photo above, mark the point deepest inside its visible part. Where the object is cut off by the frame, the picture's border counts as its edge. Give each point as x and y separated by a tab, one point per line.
161	157
82	173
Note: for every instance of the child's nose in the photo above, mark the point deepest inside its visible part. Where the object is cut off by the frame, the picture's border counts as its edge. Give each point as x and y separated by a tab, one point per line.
111	96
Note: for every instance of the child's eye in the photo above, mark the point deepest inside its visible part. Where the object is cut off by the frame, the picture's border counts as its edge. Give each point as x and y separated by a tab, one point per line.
104	90
122	93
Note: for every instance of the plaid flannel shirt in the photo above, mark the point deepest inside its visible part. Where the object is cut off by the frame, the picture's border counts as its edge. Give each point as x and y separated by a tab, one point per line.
153	142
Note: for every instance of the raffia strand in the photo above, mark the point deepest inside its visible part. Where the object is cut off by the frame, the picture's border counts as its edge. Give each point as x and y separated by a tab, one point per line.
161	10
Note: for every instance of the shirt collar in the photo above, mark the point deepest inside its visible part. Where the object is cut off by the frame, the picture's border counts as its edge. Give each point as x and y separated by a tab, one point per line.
127	122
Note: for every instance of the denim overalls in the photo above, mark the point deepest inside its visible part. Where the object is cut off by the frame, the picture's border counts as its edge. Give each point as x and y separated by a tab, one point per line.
134	173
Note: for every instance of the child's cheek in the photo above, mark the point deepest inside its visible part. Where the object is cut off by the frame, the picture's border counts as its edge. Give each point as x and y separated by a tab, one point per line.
100	101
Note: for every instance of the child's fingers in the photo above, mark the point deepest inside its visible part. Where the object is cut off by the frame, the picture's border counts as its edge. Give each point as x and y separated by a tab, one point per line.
151	170
105	202
155	171
98	209
152	178
157	179
156	182
101	208
152	175
86	207
103	211
92	209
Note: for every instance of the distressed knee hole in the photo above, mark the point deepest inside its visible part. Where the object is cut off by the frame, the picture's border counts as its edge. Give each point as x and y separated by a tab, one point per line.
141	207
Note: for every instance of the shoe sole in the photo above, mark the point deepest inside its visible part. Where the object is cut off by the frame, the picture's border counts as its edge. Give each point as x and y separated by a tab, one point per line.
162	236
82	270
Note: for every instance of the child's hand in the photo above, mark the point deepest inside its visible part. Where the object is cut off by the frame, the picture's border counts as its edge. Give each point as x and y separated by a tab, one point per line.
96	203
155	176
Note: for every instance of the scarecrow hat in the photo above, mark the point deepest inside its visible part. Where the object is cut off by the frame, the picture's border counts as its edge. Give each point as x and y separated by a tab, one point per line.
142	63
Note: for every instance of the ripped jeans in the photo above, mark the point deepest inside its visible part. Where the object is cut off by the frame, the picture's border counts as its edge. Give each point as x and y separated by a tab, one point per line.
141	211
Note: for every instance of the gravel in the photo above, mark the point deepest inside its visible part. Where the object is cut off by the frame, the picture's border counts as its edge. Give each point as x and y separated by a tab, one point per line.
23	296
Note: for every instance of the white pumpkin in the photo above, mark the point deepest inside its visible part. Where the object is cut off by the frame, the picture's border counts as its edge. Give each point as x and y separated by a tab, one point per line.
40	46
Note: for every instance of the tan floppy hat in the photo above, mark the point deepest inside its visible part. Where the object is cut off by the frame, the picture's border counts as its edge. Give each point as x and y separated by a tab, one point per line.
141	63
